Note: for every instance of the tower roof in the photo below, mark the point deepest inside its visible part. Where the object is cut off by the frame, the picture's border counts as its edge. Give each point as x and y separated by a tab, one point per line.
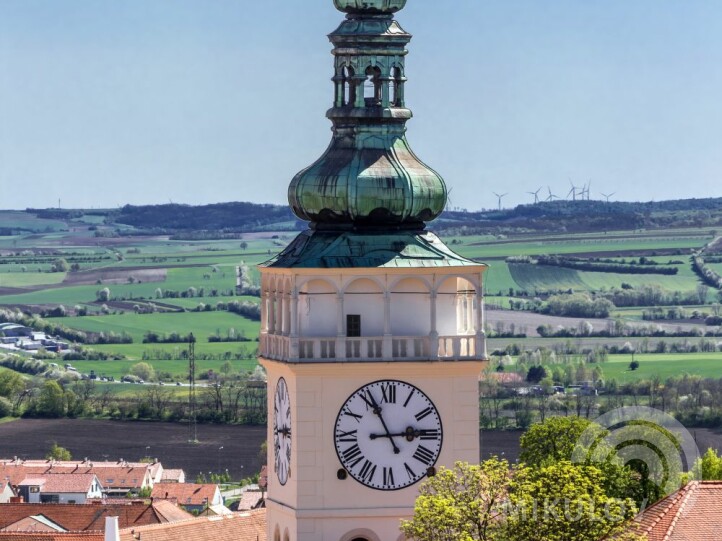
368	176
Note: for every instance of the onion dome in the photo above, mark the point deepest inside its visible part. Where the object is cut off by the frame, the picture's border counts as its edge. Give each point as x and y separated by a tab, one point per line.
369	6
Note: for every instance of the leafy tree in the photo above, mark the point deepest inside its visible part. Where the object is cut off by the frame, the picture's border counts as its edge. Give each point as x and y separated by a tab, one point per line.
51	402
564	502
535	374
633	365
11	383
553	440
460	504
59	265
143	370
6	407
709	466
58	453
103	295
244	245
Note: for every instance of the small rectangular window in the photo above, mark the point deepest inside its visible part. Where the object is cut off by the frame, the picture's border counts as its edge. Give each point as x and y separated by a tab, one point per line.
353	325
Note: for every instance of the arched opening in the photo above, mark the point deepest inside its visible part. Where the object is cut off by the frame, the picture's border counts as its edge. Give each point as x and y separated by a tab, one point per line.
349	86
286	537
458	317
410	318
395	87
372	87
277	534
317	313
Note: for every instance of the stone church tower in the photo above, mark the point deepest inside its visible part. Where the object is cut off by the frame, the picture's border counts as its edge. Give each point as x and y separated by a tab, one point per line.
372	329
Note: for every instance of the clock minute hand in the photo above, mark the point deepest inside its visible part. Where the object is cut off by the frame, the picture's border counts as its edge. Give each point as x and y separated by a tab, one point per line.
377	411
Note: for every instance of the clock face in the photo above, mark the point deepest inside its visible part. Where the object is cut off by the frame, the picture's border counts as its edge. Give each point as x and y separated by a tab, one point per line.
282	432
388	435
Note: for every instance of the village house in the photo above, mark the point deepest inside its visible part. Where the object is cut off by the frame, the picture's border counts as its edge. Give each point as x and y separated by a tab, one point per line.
117	478
191	496
60	517
60	488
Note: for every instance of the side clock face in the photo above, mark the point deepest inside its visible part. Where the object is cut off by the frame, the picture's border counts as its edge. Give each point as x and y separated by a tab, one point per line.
388	435
282	431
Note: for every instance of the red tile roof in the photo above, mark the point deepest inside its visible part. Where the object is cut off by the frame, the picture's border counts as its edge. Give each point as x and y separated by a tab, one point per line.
693	513
110	476
61	483
249	526
26	536
186	493
86	517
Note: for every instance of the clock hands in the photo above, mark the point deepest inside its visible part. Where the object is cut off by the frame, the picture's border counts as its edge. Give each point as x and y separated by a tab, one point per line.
285	431
377	410
410	434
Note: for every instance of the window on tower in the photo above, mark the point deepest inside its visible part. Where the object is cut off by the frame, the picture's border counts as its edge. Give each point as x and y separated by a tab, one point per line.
353	325
349	86
372	87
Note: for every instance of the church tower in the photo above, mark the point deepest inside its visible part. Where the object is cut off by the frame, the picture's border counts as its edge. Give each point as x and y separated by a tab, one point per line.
372	329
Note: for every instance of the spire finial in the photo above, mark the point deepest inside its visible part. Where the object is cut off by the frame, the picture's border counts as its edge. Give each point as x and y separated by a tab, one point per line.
371	7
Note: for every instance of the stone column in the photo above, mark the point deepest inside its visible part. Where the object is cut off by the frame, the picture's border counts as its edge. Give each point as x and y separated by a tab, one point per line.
387	343
434	335
340	330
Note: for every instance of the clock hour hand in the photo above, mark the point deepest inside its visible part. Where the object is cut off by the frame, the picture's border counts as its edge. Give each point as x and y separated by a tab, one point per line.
410	434
377	411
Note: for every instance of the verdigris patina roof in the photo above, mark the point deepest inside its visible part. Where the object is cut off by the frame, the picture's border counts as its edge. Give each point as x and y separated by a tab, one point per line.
369	6
364	248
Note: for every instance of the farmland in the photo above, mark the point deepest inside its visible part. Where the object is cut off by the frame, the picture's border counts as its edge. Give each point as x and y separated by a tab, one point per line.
121	281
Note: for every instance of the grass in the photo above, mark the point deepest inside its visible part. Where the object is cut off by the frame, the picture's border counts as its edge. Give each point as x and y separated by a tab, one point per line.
30	279
708	365
140	351
202	324
178	368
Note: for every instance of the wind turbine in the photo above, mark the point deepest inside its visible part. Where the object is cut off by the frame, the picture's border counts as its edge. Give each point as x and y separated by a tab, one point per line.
551	196
587	189
573	191
449	203
536	195
607	196
500	197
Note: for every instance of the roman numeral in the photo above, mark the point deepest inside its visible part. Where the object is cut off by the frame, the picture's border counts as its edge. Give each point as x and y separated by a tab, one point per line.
369	401
424	455
347	437
424	413
352	455
431	434
408	398
368	470
388	477
354	415
388	393
409	471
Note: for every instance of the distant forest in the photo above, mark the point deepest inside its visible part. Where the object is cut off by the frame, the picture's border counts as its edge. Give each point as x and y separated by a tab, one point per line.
551	216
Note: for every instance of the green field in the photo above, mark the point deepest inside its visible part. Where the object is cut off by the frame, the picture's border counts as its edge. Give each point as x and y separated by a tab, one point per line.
30	279
201	324
178	368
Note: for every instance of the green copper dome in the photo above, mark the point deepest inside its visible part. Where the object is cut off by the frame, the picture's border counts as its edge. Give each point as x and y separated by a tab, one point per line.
369	6
368	176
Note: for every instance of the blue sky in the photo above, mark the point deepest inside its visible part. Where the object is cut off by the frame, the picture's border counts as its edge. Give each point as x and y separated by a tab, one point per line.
106	102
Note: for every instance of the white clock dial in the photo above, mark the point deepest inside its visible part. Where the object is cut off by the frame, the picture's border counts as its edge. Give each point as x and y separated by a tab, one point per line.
388	435
282	432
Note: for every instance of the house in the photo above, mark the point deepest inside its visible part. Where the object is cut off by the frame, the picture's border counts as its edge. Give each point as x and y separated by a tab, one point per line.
87	517
693	513
249	526
192	496
60	488
250	499
173	476
6	491
118	478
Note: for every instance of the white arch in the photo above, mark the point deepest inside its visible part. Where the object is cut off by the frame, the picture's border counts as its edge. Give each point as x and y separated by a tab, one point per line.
376	281
360	533
423	279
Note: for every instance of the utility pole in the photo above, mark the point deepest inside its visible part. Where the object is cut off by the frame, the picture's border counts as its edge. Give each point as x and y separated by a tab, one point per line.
192	421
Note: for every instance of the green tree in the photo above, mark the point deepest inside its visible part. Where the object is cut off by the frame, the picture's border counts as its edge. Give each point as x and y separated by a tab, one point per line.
709	466
564	502
11	383
460	504
553	440
59	265
58	453
143	370
51	402
6	407
103	295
